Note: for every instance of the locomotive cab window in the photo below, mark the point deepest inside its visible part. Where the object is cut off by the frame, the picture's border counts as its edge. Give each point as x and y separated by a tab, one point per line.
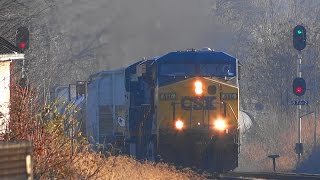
222	70
178	69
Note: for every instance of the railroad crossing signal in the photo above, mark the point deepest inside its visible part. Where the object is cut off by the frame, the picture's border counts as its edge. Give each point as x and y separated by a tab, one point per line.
299	37
22	38
299	86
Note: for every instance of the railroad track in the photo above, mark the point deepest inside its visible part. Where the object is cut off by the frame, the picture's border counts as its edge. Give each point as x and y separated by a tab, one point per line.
266	175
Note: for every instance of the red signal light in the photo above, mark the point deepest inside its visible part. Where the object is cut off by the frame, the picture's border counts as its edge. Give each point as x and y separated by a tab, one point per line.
22	38
299	89
299	86
22	45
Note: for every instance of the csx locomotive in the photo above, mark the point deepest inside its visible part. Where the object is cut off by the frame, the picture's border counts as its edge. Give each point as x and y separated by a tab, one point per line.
182	107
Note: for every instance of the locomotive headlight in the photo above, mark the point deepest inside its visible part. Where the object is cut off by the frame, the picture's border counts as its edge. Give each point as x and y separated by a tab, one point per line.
179	124
220	124
198	87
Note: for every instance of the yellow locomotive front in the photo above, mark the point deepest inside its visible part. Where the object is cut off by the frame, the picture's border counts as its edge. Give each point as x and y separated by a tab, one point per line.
196	109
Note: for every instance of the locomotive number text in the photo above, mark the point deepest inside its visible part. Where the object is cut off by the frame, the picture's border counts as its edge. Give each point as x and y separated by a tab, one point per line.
168	96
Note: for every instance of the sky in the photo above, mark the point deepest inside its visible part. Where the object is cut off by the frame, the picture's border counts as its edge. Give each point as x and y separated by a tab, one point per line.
133	29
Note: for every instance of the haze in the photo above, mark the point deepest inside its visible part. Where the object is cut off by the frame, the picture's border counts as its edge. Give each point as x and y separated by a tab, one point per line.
131	29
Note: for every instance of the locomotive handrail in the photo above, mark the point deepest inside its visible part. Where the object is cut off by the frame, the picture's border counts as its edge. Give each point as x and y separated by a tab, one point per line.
234	114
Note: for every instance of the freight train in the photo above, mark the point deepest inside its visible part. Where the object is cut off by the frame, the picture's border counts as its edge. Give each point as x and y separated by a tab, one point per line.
182	107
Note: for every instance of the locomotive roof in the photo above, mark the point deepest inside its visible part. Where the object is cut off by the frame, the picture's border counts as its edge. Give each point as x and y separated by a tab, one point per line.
195	56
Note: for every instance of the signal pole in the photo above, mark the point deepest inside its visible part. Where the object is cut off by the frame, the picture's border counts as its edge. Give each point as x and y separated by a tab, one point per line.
299	43
299	145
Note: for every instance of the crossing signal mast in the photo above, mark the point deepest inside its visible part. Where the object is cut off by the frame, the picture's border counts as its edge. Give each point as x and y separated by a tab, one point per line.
299	84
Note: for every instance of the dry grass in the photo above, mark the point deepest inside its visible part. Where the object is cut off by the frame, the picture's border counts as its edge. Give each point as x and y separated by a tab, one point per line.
123	167
254	153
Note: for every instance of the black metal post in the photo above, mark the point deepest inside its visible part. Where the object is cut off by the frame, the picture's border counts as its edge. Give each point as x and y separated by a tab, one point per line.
273	157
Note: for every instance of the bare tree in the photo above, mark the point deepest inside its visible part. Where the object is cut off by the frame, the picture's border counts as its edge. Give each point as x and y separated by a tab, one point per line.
263	44
54	57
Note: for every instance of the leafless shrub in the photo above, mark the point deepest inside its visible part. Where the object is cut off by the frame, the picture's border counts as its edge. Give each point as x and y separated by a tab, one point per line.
60	152
54	151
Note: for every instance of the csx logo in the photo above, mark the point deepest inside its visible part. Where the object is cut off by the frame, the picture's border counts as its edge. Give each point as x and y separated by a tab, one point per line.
198	103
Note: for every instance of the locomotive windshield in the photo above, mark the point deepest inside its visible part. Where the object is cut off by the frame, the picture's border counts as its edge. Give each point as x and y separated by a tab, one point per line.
227	70
178	69
220	70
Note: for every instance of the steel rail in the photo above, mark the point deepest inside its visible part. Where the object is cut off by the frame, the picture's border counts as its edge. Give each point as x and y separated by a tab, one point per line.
267	175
